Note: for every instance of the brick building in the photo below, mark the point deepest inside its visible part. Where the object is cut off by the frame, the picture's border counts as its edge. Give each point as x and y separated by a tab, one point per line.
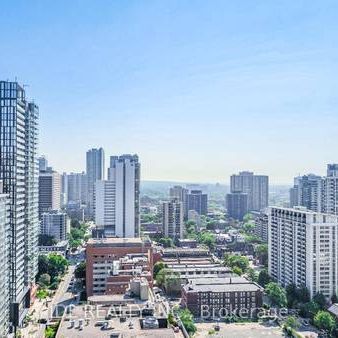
219	296
112	262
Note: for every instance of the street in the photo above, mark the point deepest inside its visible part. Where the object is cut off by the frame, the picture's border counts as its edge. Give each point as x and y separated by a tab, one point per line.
47	309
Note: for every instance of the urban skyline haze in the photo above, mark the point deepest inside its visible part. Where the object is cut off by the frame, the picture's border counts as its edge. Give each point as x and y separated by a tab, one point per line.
198	91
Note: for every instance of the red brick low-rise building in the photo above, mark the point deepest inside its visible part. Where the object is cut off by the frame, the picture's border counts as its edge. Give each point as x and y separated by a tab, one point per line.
216	297
112	262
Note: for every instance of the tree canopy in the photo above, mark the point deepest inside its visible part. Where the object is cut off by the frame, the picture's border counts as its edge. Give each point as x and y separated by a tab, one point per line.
263	278
276	294
187	320
80	271
324	320
237	262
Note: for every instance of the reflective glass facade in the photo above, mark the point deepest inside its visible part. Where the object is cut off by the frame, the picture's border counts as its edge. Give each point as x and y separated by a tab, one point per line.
19	173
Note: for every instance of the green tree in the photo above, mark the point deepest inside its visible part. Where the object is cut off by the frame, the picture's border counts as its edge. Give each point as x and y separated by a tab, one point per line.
41	294
263	278
211	225
42	265
80	271
75	223
172	282
252	239
292	322
297	295
157	268
57	263
248	227
303	294
261	253
241	262
237	270
167	242
74	243
171	319
44	280
161	277
247	218
324	320
188	321
50	331
208	239
309	309
320	299
276	293
252	275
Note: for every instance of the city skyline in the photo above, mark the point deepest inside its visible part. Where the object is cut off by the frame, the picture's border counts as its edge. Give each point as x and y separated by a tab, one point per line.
253	85
168	168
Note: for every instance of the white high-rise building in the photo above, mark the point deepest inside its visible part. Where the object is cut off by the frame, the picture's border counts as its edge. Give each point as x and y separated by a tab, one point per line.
256	186
19	173
117	200
56	224
95	172
125	172
172	219
303	249
49	191
105	205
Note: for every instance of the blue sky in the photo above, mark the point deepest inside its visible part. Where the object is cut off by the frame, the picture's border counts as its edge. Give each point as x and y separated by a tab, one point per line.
199	89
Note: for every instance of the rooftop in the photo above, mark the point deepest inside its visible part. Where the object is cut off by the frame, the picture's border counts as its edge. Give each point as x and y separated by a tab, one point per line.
116	241
92	326
230	284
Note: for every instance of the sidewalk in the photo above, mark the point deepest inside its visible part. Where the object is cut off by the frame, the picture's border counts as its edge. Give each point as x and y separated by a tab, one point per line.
40	310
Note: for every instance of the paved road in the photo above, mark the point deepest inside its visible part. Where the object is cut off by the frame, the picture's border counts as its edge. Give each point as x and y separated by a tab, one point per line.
44	310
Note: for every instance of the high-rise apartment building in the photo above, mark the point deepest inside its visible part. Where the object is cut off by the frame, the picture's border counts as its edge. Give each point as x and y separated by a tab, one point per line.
261	220
172	219
19	173
332	170
105	208
293	196
95	172
64	190
55	223
4	264
306	192
49	191
43	163
329	195
237	205
198	201
256	186
77	187
117	206
125	172
303	249
179	193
